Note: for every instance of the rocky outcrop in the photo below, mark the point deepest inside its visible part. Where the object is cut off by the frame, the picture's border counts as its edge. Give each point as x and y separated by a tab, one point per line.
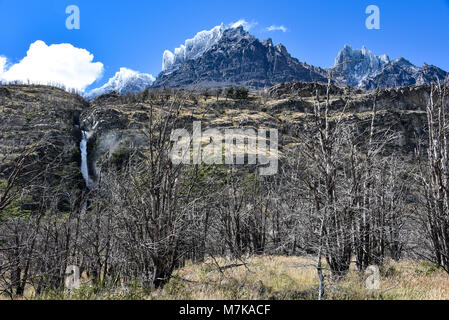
45	118
112	126
306	89
413	98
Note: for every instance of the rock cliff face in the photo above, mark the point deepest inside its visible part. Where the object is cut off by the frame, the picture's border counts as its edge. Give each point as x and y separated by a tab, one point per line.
46	119
112	126
239	58
116	124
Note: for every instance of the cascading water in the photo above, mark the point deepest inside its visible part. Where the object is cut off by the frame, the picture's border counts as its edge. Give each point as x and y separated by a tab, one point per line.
84	166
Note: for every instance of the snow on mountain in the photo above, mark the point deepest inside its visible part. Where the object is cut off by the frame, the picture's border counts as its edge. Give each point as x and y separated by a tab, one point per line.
124	81
240	59
353	66
192	49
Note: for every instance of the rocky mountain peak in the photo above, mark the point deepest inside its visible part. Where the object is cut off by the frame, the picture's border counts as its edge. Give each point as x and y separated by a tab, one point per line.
268	42
402	62
192	48
352	66
237	33
239	58
282	49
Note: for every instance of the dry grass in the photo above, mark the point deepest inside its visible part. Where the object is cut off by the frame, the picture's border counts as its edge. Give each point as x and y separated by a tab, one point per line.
278	278
261	278
294	278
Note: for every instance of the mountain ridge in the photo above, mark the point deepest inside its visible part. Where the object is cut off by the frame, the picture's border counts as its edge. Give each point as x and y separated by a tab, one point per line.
231	56
259	64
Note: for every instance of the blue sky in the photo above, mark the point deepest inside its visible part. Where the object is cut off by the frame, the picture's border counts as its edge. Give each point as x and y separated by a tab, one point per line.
135	33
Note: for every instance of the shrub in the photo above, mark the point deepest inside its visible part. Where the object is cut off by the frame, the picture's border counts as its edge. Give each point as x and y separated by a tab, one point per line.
242	93
120	156
230	92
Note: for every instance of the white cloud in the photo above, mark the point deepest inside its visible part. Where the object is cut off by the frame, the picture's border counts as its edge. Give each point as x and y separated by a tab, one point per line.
242	22
277	28
57	63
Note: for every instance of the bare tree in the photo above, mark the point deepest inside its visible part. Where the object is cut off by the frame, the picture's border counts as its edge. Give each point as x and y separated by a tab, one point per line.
435	177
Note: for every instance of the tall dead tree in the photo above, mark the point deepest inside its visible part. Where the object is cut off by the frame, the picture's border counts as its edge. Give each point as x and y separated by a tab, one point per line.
151	202
323	153
435	177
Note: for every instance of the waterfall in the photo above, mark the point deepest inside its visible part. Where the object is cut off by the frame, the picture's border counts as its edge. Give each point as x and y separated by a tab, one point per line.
84	166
